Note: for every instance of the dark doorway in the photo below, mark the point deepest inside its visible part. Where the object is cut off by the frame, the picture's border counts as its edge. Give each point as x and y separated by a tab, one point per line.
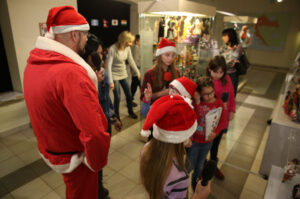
5	80
105	12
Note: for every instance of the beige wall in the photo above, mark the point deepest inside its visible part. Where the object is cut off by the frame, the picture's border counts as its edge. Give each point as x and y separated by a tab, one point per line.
262	57
9	46
24	18
19	23
134	19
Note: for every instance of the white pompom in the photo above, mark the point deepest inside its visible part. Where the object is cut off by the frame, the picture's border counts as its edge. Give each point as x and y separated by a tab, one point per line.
145	133
49	35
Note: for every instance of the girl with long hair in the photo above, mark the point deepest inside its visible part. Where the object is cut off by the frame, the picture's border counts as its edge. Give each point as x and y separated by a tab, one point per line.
162	166
163	71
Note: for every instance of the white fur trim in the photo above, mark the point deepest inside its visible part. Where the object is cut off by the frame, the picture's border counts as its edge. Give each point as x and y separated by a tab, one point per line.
75	161
69	28
163	50
174	137
145	133
180	88
52	45
87	164
188	101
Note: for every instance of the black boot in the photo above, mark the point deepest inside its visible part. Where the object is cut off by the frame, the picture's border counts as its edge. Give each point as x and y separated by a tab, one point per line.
194	182
132	114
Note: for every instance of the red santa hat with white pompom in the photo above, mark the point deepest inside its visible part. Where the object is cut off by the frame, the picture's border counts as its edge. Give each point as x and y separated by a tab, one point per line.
164	46
185	86
65	19
172	118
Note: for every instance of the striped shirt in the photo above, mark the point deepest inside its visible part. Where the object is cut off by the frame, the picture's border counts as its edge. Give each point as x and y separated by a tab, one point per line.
177	183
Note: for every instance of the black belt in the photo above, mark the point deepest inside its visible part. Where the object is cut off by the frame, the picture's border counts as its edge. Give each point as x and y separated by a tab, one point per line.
62	153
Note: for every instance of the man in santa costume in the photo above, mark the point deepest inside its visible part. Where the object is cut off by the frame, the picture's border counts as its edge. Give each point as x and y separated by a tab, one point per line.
60	91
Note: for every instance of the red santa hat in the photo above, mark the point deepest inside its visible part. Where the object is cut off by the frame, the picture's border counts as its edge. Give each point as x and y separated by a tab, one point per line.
164	46
172	118
185	86
65	19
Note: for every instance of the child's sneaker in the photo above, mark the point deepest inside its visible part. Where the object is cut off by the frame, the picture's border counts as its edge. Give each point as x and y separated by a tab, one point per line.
219	174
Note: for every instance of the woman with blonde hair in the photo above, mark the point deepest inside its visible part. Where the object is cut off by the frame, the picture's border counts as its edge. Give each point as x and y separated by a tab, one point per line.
116	66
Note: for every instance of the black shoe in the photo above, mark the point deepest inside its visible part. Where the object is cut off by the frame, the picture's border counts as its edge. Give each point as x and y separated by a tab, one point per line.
133	115
103	193
106	192
134	104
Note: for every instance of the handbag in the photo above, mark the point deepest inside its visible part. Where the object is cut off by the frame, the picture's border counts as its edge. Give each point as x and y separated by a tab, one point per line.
243	65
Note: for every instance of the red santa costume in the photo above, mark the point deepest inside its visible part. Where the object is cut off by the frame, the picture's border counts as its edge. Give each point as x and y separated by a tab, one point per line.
60	91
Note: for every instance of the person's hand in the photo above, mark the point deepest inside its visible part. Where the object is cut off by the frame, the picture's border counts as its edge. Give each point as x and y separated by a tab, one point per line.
211	136
139	77
165	91
118	125
188	143
100	75
112	86
148	93
231	115
201	192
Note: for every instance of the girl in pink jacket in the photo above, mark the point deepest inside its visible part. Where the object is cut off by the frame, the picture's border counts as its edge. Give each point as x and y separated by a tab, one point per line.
223	90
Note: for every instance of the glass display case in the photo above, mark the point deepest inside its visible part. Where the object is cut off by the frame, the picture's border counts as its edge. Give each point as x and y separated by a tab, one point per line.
186	23
283	140
244	26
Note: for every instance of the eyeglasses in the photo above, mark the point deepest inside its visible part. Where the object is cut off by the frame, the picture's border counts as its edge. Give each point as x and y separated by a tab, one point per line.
208	94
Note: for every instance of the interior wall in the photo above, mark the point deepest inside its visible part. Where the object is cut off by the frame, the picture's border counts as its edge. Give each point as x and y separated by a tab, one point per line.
106	10
263	57
9	46
24	18
134	19
20	25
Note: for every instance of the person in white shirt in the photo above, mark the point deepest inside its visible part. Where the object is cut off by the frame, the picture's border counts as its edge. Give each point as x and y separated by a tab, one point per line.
117	73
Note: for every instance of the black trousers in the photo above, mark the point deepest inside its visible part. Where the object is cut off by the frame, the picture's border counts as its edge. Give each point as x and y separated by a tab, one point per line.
215	146
101	192
235	81
135	82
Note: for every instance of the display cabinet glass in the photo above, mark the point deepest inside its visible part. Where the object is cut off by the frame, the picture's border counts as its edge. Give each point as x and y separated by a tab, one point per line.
190	30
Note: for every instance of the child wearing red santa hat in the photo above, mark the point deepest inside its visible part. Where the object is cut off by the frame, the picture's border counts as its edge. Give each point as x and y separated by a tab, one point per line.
181	86
162	167
163	71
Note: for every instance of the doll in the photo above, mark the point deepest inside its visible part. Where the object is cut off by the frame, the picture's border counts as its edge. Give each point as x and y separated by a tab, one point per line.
245	37
161	28
290	170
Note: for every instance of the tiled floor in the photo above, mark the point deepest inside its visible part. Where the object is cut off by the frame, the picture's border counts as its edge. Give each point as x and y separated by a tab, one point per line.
24	175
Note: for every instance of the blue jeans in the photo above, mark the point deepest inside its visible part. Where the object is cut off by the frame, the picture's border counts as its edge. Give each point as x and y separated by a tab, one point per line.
117	96
196	156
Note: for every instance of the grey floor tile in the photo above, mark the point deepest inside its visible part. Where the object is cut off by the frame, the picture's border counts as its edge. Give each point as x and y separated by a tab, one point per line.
234	181
240	161
18	178
246	150
3	190
40	167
